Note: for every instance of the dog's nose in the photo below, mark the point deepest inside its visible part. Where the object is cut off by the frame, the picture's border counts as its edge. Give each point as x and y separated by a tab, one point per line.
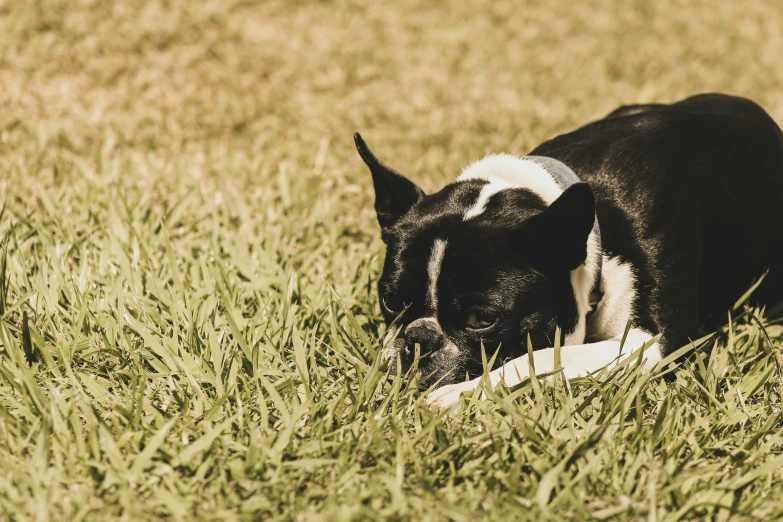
427	334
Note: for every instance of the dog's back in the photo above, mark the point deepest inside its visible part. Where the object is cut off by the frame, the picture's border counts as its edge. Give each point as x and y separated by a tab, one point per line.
657	216
695	187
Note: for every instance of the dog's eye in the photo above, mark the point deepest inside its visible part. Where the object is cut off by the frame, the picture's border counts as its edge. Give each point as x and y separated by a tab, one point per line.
392	304
480	320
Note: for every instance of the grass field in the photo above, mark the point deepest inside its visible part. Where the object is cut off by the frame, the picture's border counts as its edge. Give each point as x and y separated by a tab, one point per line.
188	317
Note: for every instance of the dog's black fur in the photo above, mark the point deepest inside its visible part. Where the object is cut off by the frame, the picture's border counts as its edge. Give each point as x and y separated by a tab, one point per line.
689	195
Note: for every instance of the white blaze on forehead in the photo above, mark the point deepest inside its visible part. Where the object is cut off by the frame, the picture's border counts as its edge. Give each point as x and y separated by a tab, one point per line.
493	187
433	272
504	171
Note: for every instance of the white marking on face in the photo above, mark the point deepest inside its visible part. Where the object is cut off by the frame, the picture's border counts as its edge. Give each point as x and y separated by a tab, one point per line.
433	273
618	284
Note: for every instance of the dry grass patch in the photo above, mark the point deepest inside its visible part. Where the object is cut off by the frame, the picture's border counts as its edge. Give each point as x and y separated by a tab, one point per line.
188	319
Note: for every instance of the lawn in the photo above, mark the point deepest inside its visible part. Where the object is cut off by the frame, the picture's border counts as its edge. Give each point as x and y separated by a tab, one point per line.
188	317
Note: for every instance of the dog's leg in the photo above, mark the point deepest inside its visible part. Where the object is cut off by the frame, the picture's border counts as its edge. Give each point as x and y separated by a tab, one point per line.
577	360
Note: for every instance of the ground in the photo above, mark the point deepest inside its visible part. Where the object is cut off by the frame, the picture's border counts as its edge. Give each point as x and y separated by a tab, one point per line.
188	317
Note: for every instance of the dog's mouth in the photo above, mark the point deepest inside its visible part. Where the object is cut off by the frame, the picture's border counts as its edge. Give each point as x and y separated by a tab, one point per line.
442	366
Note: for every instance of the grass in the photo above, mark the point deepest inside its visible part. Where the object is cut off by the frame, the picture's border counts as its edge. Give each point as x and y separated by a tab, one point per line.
188	319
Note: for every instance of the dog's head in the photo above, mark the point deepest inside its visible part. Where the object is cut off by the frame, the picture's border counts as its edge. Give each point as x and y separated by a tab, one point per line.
472	265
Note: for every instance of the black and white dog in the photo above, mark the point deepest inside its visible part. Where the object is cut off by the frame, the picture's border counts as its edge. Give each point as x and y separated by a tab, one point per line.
661	215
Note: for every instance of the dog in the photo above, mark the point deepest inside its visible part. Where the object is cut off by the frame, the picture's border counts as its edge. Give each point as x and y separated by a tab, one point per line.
656	218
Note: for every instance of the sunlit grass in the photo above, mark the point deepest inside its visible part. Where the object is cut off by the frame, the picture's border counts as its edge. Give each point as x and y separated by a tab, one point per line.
188	257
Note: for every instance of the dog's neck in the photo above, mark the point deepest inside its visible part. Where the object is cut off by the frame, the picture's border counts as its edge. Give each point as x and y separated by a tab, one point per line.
548	178
565	177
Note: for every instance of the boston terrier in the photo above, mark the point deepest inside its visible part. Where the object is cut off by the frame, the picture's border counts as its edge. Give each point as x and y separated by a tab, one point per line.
656	216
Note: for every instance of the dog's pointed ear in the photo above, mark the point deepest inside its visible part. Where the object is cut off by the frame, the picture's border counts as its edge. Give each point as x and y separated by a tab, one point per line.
555	241
394	193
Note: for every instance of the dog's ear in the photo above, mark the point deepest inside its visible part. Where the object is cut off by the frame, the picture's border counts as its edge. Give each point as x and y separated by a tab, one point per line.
394	193
555	241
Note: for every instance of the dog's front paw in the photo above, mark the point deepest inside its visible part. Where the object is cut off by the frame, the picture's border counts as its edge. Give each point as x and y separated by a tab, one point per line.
448	396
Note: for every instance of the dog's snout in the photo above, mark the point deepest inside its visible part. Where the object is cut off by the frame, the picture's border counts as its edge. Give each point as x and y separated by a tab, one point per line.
427	334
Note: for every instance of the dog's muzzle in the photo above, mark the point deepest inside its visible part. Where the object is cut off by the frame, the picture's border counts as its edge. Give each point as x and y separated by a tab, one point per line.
425	332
